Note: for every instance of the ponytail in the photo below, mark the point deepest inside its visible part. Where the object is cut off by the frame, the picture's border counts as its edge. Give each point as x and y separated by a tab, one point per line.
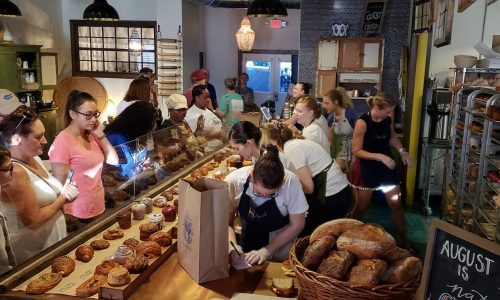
268	170
276	132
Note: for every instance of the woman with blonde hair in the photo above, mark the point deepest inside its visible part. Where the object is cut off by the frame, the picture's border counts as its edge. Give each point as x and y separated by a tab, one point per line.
308	114
373	137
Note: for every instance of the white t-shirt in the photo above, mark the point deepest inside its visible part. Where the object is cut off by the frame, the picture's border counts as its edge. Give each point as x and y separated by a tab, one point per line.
314	133
304	153
290	199
287	164
323	123
212	124
123	105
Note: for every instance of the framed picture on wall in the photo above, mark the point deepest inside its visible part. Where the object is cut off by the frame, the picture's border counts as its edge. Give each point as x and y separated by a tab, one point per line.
464	4
444	23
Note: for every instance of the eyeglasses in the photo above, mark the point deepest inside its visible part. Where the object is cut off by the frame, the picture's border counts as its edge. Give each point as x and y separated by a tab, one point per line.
9	169
257	194
89	115
27	115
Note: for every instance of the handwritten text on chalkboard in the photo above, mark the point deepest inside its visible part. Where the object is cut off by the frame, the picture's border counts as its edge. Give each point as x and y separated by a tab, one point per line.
373	16
467	259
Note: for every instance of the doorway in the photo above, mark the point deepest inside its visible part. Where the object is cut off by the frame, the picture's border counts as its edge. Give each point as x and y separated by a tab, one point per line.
270	75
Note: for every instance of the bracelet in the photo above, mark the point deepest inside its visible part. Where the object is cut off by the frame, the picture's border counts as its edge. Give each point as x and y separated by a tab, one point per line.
402	150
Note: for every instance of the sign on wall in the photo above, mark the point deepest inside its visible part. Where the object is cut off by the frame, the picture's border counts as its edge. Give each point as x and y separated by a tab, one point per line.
460	265
373	16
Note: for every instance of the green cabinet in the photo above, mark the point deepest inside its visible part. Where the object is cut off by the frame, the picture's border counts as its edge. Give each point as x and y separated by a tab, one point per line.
18	62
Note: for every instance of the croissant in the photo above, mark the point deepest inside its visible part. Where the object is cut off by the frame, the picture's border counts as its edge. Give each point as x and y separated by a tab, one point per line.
84	253
149	249
64	265
162	238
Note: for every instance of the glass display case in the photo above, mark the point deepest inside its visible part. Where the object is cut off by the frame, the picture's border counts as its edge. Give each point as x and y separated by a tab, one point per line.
148	166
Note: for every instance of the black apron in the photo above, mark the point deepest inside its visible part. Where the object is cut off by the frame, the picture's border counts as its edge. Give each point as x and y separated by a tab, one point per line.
316	202
258	221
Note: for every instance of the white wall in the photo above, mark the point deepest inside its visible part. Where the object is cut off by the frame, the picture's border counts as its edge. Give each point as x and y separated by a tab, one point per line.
221	50
466	32
192	39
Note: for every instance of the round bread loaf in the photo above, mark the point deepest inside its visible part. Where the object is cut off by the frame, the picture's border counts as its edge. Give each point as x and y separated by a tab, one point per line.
367	272
366	241
396	254
315	253
118	276
403	270
336	264
334	228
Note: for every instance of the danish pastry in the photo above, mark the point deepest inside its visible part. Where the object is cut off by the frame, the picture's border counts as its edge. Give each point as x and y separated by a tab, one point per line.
104	267
64	265
99	244
43	283
136	263
149	249
90	286
131	242
84	253
118	276
162	238
113	234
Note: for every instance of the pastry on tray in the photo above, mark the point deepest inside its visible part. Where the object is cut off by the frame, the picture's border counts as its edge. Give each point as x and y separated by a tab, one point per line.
131	242
168	195
283	287
90	286
121	253
157	219
146	230
149	204
124	219
44	283
173	232
104	267
136	264
163	238
118	276
84	253
160	201
64	265
138	211
149	249
169	213
113	234
99	244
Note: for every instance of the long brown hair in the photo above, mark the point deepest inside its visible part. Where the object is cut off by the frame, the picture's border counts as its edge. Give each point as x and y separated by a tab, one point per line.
139	89
19	121
75	100
268	170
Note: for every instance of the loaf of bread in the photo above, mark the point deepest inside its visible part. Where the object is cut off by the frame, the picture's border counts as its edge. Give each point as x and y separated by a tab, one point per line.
366	241
316	251
336	264
402	270
396	254
334	228
367	272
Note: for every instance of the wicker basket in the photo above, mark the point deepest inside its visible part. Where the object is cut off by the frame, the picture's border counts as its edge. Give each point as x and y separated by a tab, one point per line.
316	286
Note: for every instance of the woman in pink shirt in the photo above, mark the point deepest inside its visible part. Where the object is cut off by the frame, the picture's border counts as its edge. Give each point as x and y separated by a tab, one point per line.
82	147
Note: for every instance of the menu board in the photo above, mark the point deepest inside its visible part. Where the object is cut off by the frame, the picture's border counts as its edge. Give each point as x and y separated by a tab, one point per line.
373	16
460	265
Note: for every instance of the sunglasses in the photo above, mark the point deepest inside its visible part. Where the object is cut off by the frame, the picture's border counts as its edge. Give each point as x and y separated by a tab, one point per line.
89	115
27	115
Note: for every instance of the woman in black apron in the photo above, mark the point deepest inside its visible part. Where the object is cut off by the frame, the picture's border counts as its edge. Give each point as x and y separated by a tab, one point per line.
372	139
270	206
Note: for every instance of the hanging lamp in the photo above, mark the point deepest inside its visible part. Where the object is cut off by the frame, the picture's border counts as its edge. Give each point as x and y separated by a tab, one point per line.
101	10
245	36
267	8
9	9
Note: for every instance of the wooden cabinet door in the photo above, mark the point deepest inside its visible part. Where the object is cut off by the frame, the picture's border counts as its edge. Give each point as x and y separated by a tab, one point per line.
325	80
350	55
8	71
371	56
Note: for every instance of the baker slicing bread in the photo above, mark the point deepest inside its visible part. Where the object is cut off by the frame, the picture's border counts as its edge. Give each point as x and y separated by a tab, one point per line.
271	206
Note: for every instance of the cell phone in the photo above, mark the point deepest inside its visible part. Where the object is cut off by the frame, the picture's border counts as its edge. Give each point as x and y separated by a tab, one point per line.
70	175
266	113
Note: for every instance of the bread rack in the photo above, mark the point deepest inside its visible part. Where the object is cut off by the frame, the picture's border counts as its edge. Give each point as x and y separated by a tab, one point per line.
169	68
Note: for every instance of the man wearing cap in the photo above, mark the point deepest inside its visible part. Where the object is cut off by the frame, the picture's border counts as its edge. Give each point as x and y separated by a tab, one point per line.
179	130
8	103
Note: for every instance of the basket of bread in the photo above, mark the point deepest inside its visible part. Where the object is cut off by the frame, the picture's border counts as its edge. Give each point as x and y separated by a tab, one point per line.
347	259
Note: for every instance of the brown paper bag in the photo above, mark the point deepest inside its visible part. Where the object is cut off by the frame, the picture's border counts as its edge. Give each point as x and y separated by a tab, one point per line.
202	243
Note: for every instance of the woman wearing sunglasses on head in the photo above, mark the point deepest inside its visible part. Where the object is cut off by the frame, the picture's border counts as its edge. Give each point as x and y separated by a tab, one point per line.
271	206
32	202
82	147
7	258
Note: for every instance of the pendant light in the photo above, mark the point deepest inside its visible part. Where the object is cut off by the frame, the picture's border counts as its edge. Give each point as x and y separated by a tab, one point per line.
101	10
9	9
245	36
267	8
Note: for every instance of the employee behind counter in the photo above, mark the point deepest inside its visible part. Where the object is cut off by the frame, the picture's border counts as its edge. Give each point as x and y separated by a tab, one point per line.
271	206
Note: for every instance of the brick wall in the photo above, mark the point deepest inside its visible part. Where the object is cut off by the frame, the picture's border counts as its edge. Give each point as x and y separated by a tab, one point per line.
318	16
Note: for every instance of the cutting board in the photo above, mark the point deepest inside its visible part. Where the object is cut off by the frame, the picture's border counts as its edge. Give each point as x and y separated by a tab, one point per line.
83	84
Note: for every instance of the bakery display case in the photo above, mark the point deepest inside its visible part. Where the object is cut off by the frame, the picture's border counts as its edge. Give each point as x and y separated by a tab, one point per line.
141	190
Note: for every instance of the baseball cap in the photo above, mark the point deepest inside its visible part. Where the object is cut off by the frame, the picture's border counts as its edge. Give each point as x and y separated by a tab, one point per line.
176	101
199	75
8	102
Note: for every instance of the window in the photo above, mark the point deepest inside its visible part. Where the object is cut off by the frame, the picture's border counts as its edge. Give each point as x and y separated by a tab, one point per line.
421	15
112	49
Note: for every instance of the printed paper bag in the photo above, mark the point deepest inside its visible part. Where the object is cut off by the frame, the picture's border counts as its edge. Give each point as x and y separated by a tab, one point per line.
202	244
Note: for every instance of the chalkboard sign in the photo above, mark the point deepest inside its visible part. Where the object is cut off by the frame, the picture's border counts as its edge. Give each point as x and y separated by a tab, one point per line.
459	265
373	16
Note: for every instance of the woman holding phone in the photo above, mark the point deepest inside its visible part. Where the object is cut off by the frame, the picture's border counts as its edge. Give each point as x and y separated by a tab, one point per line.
83	147
32	202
